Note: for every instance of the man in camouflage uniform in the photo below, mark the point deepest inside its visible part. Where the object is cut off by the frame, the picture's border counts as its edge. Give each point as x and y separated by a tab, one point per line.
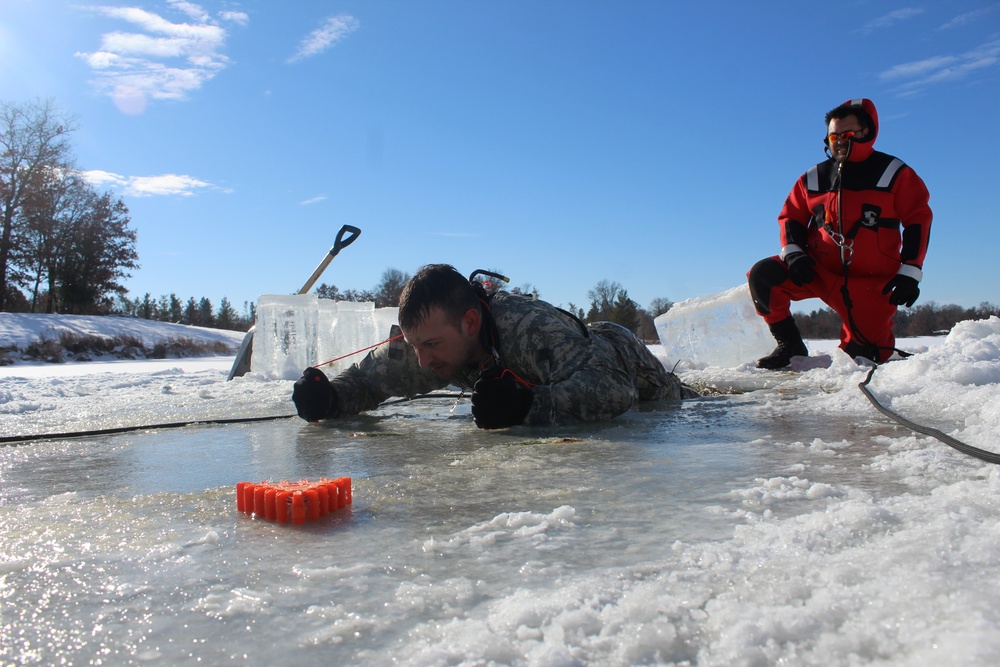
525	361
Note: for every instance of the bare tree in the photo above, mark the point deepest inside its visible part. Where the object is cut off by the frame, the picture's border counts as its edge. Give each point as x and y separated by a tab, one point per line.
658	306
390	287
33	139
602	300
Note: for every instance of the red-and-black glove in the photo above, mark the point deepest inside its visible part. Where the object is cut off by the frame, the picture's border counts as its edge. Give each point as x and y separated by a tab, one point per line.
314	396
499	400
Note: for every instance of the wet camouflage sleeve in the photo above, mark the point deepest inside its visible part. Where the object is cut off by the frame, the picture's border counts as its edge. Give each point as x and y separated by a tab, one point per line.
389	370
577	377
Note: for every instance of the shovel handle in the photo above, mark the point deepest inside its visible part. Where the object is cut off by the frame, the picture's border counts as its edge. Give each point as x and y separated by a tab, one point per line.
342	242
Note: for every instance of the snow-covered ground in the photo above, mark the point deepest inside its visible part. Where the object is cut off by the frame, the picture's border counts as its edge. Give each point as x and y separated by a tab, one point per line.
786	522
21	329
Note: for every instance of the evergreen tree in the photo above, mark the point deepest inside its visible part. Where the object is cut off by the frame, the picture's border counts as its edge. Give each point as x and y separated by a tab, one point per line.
146	309
175	308
92	249
206	318
625	312
357	296
227	317
163	308
331	292
609	302
190	312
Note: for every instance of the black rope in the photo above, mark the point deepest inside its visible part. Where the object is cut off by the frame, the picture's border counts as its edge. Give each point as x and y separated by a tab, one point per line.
969	450
6	440
11	439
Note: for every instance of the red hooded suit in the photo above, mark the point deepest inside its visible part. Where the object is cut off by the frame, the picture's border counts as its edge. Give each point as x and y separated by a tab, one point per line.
863	222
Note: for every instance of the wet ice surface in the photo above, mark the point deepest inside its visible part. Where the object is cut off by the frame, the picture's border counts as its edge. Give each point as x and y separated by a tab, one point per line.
788	523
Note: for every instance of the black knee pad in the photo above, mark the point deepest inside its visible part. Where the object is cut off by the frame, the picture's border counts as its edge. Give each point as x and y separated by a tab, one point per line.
764	275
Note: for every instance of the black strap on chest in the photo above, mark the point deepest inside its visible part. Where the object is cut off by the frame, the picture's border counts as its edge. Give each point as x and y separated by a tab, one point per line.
878	172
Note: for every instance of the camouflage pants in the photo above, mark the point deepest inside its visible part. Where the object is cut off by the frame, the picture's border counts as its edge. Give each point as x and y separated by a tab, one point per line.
652	380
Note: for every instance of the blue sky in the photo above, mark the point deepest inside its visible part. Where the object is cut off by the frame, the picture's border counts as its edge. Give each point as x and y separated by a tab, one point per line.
646	142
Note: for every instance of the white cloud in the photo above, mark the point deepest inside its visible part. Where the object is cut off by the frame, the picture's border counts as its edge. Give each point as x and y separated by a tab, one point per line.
146	186
313	200
332	31
191	9
159	59
918	68
914	76
970	17
102	179
242	18
891	19
167	184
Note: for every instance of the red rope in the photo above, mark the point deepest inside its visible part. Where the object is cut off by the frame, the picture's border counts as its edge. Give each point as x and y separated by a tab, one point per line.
364	349
517	378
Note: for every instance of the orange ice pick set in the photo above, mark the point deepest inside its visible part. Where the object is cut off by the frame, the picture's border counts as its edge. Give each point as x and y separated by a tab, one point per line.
293	502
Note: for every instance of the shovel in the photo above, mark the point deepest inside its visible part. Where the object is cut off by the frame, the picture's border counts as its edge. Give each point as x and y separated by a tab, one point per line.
241	365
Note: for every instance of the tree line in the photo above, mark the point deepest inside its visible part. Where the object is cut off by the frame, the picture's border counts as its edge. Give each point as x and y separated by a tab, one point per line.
194	312
926	319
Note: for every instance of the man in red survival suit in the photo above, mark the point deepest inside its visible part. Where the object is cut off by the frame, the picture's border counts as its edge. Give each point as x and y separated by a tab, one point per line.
854	233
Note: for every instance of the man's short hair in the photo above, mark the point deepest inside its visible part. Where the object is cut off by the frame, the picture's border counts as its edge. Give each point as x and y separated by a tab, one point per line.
436	286
844	110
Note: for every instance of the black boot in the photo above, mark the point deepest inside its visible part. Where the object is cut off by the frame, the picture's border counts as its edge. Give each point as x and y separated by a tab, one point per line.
789	345
855	350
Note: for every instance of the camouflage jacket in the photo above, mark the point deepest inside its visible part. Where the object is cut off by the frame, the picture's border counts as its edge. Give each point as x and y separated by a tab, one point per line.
580	373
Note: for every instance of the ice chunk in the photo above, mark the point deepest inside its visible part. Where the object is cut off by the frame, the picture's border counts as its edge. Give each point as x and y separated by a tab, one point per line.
285	335
721	330
385	320
346	327
298	331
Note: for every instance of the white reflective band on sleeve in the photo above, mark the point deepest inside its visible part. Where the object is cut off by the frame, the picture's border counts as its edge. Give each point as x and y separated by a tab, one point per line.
788	250
911	271
889	173
812	179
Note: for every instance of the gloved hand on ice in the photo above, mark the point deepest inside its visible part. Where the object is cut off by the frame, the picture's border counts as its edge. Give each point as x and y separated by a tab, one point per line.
314	396
499	400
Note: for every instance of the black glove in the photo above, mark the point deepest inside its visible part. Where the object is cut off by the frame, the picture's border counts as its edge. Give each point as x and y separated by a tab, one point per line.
904	290
313	395
498	400
800	268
